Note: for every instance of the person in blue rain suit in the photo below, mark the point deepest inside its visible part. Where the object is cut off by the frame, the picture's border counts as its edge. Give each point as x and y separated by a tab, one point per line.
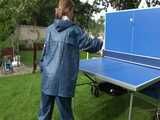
60	61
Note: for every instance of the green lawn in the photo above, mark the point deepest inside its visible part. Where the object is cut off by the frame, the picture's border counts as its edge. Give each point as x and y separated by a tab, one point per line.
27	57
20	96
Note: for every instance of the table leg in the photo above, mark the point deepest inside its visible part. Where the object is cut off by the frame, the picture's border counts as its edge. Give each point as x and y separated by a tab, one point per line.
130	106
158	114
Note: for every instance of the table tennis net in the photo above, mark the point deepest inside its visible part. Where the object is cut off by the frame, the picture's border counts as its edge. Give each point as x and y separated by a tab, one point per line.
135	59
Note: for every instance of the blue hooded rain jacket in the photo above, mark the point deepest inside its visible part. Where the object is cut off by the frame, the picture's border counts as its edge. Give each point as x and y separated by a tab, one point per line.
60	57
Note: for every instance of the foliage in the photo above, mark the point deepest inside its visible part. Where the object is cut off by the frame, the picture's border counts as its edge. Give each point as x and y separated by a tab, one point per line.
125	4
10	12
83	13
41	12
35	12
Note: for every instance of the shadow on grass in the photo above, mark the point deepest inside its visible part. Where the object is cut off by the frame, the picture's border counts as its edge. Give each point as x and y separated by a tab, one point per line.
104	107
111	109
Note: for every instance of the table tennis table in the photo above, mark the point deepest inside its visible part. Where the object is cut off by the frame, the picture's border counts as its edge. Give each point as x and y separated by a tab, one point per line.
131	52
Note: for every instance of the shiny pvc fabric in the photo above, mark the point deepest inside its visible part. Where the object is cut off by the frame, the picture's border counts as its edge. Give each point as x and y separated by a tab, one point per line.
60	57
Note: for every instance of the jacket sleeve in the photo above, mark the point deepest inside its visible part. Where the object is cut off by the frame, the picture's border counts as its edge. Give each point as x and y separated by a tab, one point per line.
87	43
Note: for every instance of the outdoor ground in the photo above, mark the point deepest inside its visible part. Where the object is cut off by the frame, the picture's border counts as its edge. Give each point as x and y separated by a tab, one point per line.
20	98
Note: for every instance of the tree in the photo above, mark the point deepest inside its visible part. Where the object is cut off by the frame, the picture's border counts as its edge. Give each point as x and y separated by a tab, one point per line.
83	12
10	12
42	14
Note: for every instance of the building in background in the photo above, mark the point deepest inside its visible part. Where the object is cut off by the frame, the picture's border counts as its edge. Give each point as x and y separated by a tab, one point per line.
27	35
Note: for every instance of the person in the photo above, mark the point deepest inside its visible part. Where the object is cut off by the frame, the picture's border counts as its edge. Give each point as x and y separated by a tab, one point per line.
60	61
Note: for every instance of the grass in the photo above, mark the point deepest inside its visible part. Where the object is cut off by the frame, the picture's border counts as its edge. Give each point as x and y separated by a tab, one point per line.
27	57
20	97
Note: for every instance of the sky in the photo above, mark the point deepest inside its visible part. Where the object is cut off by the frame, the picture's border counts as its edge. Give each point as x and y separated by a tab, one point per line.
96	16
89	1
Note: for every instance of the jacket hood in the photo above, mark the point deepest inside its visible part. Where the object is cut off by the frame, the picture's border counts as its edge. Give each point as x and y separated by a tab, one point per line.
61	25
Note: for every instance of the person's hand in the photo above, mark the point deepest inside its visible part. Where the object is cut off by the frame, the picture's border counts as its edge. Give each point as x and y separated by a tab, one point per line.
100	37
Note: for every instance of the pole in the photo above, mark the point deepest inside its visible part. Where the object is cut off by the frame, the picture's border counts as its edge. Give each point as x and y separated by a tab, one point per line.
130	106
34	57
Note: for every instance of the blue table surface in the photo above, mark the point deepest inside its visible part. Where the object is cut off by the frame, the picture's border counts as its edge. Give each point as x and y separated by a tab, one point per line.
118	71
